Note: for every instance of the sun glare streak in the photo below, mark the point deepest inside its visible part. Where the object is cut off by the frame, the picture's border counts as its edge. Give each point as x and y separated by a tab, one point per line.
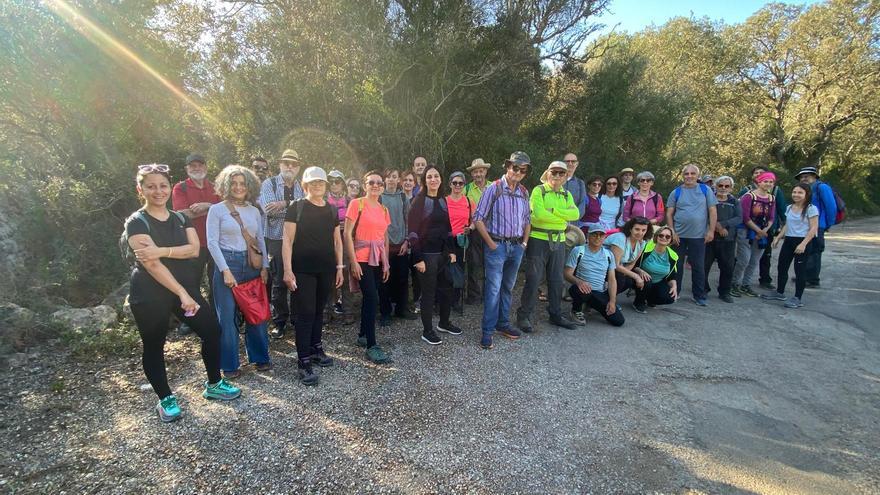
116	49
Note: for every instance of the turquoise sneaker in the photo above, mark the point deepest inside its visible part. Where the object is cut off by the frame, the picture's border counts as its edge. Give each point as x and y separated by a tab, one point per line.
168	409
221	390
377	355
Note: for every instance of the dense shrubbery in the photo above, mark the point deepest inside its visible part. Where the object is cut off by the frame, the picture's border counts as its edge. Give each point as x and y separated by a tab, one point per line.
351	84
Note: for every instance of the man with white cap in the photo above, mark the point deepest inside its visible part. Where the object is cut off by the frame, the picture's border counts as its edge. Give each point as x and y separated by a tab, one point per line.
276	194
552	208
823	199
474	192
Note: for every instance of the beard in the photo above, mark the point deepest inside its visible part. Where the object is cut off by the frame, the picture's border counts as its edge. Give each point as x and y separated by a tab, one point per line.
288	176
198	176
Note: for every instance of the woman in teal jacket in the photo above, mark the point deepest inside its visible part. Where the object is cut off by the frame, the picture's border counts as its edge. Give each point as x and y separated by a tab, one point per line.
658	262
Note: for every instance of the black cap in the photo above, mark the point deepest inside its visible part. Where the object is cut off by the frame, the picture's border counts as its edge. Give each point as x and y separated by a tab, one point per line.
195	157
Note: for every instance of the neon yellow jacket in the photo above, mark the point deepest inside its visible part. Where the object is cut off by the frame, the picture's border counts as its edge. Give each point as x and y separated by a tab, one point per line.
551	212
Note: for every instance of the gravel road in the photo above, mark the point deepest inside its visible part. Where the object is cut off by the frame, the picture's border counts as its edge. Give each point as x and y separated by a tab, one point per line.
734	398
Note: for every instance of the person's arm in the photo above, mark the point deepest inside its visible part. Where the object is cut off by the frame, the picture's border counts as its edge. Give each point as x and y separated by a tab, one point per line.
415	230
611	307
539	213
670	215
780	235
287	238
147	250
582	285
212	233
337	250
625	270
746	205
570	212
813	232
829	204
161	273
781	206
348	242
713	219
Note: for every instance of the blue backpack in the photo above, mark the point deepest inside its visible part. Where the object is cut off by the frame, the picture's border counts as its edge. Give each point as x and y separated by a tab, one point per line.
676	193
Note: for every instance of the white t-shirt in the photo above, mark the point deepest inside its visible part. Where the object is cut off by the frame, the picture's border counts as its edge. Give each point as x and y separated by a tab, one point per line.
796	224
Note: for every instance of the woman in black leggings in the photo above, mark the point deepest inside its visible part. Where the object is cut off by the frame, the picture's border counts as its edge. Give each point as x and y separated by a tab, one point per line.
431	241
165	281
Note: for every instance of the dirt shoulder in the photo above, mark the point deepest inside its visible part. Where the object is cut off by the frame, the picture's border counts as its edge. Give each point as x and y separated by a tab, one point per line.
746	397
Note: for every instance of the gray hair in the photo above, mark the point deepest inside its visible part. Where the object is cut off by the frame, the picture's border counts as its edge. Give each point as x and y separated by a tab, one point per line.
645	175
223	182
689	165
727	178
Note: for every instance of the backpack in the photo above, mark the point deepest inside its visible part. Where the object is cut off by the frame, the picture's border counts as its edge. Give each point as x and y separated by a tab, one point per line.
125	249
609	258
499	188
770	205
632	202
839	203
676	193
357	220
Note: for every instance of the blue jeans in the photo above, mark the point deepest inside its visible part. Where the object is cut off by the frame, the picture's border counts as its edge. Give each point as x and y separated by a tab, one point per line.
694	251
500	266
256	339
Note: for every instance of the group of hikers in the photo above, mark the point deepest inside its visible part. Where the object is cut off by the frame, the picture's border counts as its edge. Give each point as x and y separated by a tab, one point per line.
402	244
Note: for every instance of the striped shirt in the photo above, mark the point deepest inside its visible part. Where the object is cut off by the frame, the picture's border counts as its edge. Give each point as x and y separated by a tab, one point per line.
273	225
510	212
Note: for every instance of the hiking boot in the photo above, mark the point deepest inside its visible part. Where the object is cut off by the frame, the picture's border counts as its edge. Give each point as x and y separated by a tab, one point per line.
362	341
640	307
726	298
486	342
321	358
773	296
384	321
168	409
417	307
431	337
231	375
406	315
277	333
510	333
561	321
747	291
307	375
578	317
767	285
337	308
734	291
525	325
449	328
264	367
183	329
794	302
700	301
221	390
377	355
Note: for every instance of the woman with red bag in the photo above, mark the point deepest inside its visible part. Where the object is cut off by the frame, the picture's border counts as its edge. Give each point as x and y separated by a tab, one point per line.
228	224
311	250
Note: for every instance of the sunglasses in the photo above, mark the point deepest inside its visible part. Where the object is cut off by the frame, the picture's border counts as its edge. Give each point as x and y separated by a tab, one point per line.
457	183
646	180
153	167
520	170
664	236
597	234
611	183
354	185
557	173
723	186
375	183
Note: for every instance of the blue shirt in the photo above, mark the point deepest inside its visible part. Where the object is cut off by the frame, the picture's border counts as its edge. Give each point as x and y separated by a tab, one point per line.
510	211
591	267
823	198
691	216
273	225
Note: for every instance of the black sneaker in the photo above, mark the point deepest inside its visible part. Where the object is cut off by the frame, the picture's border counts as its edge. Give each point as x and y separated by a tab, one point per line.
726	298
524	325
322	359
767	285
431	337
276	333
640	308
449	328
337	308
307	374
406	315
561	321
384	321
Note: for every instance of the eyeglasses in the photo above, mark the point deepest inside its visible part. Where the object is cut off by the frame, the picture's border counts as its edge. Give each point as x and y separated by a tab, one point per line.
558	173
646	180
596	184
354	185
375	183
520	170
611	183
723	186
457	183
664	236
570	161
153	167
597	234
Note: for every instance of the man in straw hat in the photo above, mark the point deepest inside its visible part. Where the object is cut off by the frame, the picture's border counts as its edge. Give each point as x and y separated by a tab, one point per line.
276	194
474	192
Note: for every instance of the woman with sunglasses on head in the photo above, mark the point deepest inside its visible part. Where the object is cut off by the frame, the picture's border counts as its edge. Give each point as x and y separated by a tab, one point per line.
657	265
164	281
800	228
611	202
645	202
461	212
593	208
238	187
430	238
366	242
723	246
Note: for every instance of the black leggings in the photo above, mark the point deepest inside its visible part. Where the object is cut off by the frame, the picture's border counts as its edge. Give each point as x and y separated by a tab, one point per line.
396	288
152	316
434	282
786	256
312	292
656	293
596	300
371	278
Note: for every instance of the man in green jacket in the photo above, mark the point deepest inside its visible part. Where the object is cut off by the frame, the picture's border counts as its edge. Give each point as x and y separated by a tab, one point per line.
552	208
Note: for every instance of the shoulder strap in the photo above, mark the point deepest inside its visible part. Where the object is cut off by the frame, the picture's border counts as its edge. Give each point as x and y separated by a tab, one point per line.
491	208
274	179
676	193
358	219
248	238
183	186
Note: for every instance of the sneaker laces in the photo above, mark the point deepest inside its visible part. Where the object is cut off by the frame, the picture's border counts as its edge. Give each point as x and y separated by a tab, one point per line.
168	402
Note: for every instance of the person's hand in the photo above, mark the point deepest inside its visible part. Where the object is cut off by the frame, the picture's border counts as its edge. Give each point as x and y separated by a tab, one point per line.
229	279
640	283
452	257
264	275
610	308
492	245
584	287
775	242
339	277
149	252
675	240
710	236
187	304
276	207
760	234
290	281
403	248
386	272
722	232
799	249
673	291
420	267
645	276
356	271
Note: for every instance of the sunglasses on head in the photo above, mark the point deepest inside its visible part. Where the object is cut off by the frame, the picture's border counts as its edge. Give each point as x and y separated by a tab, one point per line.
375	183
153	167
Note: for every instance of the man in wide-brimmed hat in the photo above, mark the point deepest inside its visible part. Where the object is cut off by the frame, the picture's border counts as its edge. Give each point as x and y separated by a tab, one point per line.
474	192
276	194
